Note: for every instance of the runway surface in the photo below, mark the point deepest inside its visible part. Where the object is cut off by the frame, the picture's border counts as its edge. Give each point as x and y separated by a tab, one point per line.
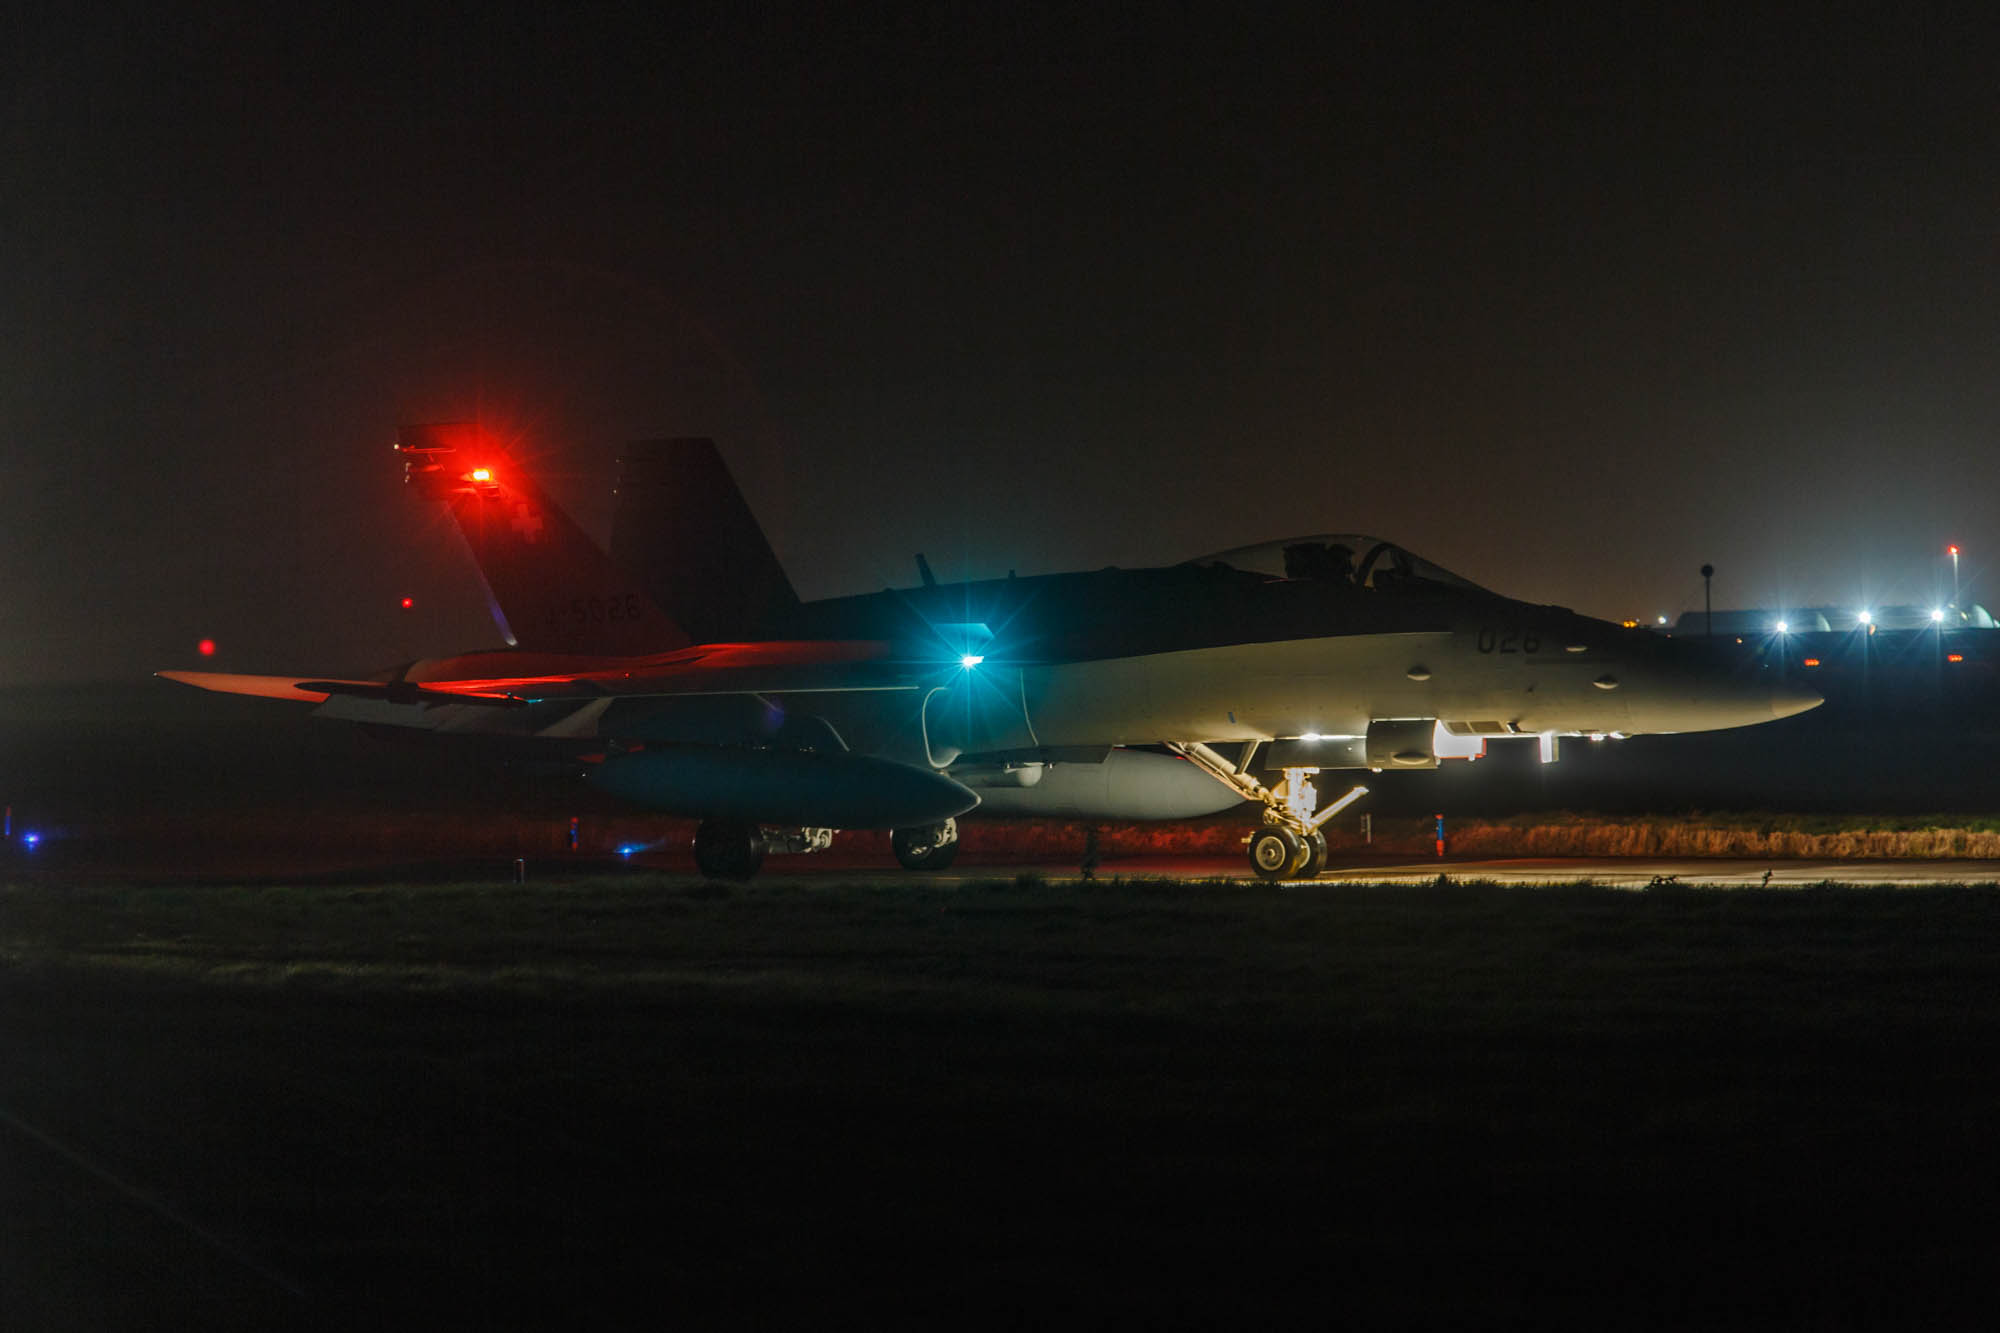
1612	872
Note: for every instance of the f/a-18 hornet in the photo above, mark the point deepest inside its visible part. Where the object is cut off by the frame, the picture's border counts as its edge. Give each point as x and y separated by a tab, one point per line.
686	675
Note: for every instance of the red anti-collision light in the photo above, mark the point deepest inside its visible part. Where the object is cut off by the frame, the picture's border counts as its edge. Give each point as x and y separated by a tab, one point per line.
206	647
408	602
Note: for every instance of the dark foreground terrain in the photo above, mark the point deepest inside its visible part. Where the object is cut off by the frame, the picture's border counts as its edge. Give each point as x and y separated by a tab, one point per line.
1011	1103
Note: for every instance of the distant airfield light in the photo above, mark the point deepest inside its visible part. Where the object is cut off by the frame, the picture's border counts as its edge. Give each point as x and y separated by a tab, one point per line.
970	660
206	647
1937	615
1663	620
627	848
1954	657
1865	618
1812	661
407	603
31	840
1783	627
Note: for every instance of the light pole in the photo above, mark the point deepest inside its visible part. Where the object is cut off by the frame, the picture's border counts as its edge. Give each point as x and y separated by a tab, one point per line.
1952	551
1707	602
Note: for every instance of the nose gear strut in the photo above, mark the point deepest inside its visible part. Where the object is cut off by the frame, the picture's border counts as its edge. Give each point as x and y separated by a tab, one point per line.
1290	845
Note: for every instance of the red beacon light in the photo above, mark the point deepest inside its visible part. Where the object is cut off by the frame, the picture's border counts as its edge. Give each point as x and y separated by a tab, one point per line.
407	603
433	456
206	647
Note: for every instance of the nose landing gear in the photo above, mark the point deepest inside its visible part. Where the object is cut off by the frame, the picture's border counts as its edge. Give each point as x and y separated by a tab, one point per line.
1290	845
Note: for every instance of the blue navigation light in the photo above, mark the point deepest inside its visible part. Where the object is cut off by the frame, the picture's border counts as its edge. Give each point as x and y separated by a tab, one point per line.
627	848
31	840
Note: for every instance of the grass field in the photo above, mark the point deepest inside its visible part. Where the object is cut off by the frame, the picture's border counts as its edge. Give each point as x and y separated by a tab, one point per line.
1018	1102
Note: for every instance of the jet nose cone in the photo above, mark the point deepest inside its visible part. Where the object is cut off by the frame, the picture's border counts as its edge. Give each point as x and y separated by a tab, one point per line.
1787	699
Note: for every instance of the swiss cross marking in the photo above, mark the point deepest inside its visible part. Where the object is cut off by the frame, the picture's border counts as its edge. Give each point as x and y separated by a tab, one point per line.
527	522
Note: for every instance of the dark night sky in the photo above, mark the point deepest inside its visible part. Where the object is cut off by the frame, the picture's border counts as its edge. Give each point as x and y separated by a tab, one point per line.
1569	305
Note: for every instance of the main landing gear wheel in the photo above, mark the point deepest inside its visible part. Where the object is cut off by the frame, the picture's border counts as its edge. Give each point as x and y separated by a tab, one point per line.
931	847
728	848
1276	852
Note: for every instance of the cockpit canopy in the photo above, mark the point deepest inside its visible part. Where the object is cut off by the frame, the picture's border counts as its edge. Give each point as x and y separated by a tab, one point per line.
1344	559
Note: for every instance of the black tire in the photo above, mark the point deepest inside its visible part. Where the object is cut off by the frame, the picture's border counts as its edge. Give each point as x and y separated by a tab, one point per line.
1275	853
929	847
1315	856
728	849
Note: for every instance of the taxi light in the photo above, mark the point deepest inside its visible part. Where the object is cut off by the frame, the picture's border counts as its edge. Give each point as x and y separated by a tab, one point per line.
1811	661
1937	616
1865	618
480	474
1954	657
1783	627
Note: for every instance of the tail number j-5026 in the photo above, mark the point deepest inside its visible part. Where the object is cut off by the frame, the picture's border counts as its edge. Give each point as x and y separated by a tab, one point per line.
595	610
1509	641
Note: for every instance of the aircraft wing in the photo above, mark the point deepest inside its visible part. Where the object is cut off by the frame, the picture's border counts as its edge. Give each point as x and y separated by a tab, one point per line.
480	679
317	691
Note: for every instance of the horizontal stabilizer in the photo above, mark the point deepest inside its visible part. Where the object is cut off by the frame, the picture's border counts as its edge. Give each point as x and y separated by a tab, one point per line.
262	687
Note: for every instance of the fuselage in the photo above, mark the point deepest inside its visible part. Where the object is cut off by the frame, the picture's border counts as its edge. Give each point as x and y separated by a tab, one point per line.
1216	650
1214	653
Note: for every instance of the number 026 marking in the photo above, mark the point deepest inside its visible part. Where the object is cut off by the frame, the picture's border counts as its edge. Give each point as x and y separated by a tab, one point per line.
1509	641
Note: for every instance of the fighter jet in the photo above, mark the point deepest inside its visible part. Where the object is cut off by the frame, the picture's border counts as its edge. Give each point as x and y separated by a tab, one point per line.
685	675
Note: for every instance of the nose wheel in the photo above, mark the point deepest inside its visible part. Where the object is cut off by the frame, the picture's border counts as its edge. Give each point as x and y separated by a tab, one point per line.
1315	860
1278	853
1275	853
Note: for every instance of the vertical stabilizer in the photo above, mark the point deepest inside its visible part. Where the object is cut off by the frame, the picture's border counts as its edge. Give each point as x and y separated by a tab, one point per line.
551	587
683	529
